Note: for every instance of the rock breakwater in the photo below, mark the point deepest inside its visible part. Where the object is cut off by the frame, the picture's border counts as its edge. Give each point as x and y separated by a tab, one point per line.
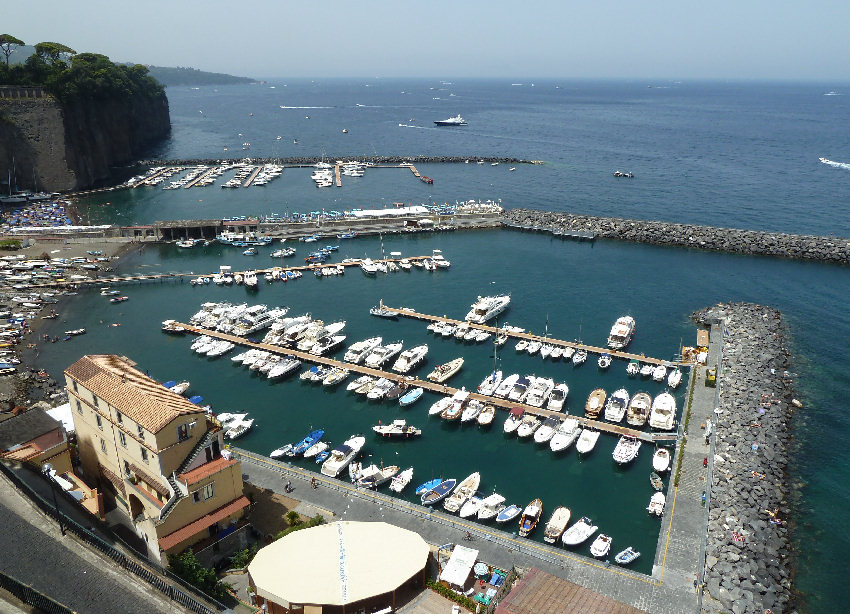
753	242
748	554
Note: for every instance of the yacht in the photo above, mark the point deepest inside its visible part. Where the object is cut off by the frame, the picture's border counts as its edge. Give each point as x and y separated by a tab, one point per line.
487	307
342	455
587	440
457	120
558	397
663	412
410	358
626	450
382	354
539	391
358	352
547	429
616	406
565	435
621	333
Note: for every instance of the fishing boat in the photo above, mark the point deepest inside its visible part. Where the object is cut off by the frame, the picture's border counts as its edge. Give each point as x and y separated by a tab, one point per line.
565	435
656	504
410	397
547	429
663	412
587	440
485	418
616	406
604	361
579	532
372	478
429	485
506	385
410	358
397	428
656	481
528	425
439	492
674	379
400	481
661	460
556	525
621	333
281	451
491	507
342	455
443	372
627	556
601	546
558	397
595	403
316	448
514	419
508	513
530	517
626	450
633	368
305	443
471	507
639	408
659	373
462	493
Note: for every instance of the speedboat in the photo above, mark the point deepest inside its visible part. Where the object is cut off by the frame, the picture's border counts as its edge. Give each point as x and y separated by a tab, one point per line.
564	436
539	391
601	546
639	408
439	492
520	388
410	358
457	120
464	491
587	440
514	419
443	372
558	397
400	481
368	267
506	385
352	386
397	428
659	373
342	455
487	307
616	406
410	397
336	376
663	412
382	312
281	451
530	517
595	403
473	408
546	430
382	354
579	532
490	383
621	333
674	378
508	513
358	351
529	424
491	507
661	460
485	418
556	525
440	406
225	418
627	556
656	504
604	361
316	449
626	450
580	357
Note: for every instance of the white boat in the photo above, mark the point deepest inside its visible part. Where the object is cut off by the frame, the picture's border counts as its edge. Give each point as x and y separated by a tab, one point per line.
580	356
374	476
646	369
439	406
226	418
342	455
661	460
352	386
522	345
546	350
533	347
529	424
633	368
520	388
281	451
250	279
485	418
490	383
471	507
558	397
627	556
587	440
621	333
238	428
604	361
626	450
443	372
397	428
514	419
615	408
316	448
639	408
382	354
336	376
547	429
539	391
358	351
398	483
663	412
659	373
457	120
557	352
180	388
556	525
380	389
565	435
674	379
368	267
410	358
579	532
601	546
656	504
487	307
508	513
470	413
505	386
462	493
491	506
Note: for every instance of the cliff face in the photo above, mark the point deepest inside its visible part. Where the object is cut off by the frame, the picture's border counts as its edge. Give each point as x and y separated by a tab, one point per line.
72	146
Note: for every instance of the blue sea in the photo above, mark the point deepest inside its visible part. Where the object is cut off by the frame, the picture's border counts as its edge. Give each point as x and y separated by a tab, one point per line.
725	154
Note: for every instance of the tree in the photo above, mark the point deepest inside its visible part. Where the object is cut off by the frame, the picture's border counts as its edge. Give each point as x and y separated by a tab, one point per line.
8	44
188	567
53	52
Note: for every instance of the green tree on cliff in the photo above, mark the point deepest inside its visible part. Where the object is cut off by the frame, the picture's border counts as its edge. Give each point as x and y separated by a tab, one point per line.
53	53
8	44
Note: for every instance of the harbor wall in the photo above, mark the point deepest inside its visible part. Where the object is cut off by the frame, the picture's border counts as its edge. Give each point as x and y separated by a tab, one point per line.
732	240
748	563
311	160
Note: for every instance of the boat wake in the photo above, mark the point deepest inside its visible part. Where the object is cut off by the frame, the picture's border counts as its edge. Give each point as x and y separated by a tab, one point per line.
834	164
285	107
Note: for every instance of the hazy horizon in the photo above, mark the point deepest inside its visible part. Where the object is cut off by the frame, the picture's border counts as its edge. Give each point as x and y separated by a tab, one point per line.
764	41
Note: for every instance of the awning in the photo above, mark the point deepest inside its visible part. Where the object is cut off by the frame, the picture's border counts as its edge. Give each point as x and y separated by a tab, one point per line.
202	523
460	564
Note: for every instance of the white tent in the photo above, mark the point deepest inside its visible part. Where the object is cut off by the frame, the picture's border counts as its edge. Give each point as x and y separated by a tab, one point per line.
459	566
62	413
397	212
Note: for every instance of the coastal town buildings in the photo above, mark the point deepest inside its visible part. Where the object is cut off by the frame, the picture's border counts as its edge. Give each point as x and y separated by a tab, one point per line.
159	457
34	437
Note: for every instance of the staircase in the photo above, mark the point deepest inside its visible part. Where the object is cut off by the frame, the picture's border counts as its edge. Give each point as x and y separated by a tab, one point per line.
177	494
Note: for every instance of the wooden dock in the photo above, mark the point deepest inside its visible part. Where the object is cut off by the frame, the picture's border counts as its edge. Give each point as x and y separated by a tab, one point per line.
195	181
252	176
426	384
154	176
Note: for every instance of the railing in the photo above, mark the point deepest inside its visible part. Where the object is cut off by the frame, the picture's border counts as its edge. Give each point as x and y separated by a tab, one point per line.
504	589
30	596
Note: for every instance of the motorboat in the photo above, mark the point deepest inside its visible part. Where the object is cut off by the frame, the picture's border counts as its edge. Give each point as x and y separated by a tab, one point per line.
380	389
358	351
179	388
342	455
565	435
639	408
225	418
382	354
655	481
490	383
410	397
454	409
429	485
663	412
633	368
505	386
238	428
442	404
557	525
283	253
626	450
616	406
601	546
508	513
547	429
580	356
530	517
487	307
621	333
539	391
604	360
500	340
528	425
521	345
587	440
397	428
557	352
546	350
336	376
533	347
443	372
463	493
410	358
659	373
656	504
448	329
595	403
281	451
470	413
520	388
172	327
491	506
307	442
352	386
627	556
370	478
579	532
485	418
316	449
382	312
661	460
514	419
457	120
558	397
646	369
400	481
439	492
368	267
674	379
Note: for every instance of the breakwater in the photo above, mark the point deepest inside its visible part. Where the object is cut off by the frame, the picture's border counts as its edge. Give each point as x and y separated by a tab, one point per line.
732	240
310	160
747	547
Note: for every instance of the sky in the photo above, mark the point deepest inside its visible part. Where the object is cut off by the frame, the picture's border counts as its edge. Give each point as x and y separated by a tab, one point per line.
723	39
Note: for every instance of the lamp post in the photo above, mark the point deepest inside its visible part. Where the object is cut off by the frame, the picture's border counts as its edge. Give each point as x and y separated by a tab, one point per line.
47	470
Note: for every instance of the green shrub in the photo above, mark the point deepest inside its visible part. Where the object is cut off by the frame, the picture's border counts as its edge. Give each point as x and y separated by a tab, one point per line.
188	567
448	593
313	522
243	557
10	244
292	518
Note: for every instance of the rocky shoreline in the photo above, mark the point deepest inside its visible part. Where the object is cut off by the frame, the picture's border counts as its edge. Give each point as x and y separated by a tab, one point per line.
748	552
751	242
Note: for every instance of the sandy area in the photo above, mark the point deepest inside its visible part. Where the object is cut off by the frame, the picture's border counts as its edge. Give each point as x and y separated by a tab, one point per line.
76	248
269	509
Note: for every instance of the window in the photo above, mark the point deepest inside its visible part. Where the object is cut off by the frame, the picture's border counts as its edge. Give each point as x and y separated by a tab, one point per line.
141	431
122	438
144	453
102	445
118	417
74	385
94	400
79	406
182	432
196	496
204	493
127	471
99	422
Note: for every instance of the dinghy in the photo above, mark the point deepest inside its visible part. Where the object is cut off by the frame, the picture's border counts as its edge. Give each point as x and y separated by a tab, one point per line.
399	482
626	556
579	532
601	546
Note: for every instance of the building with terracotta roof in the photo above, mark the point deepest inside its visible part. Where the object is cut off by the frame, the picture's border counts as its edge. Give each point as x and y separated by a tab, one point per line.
34	437
156	454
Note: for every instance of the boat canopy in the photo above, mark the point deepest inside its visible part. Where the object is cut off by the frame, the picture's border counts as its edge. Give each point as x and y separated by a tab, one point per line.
460	395
196	399
170	383
517	411
457	570
523	380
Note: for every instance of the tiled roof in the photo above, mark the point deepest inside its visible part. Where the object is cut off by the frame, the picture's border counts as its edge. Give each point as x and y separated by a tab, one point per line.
541	593
26	427
152	482
137	396
202	523
207	469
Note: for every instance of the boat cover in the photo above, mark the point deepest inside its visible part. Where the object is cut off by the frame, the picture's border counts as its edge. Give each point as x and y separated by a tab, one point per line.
517	411
197	399
457	570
